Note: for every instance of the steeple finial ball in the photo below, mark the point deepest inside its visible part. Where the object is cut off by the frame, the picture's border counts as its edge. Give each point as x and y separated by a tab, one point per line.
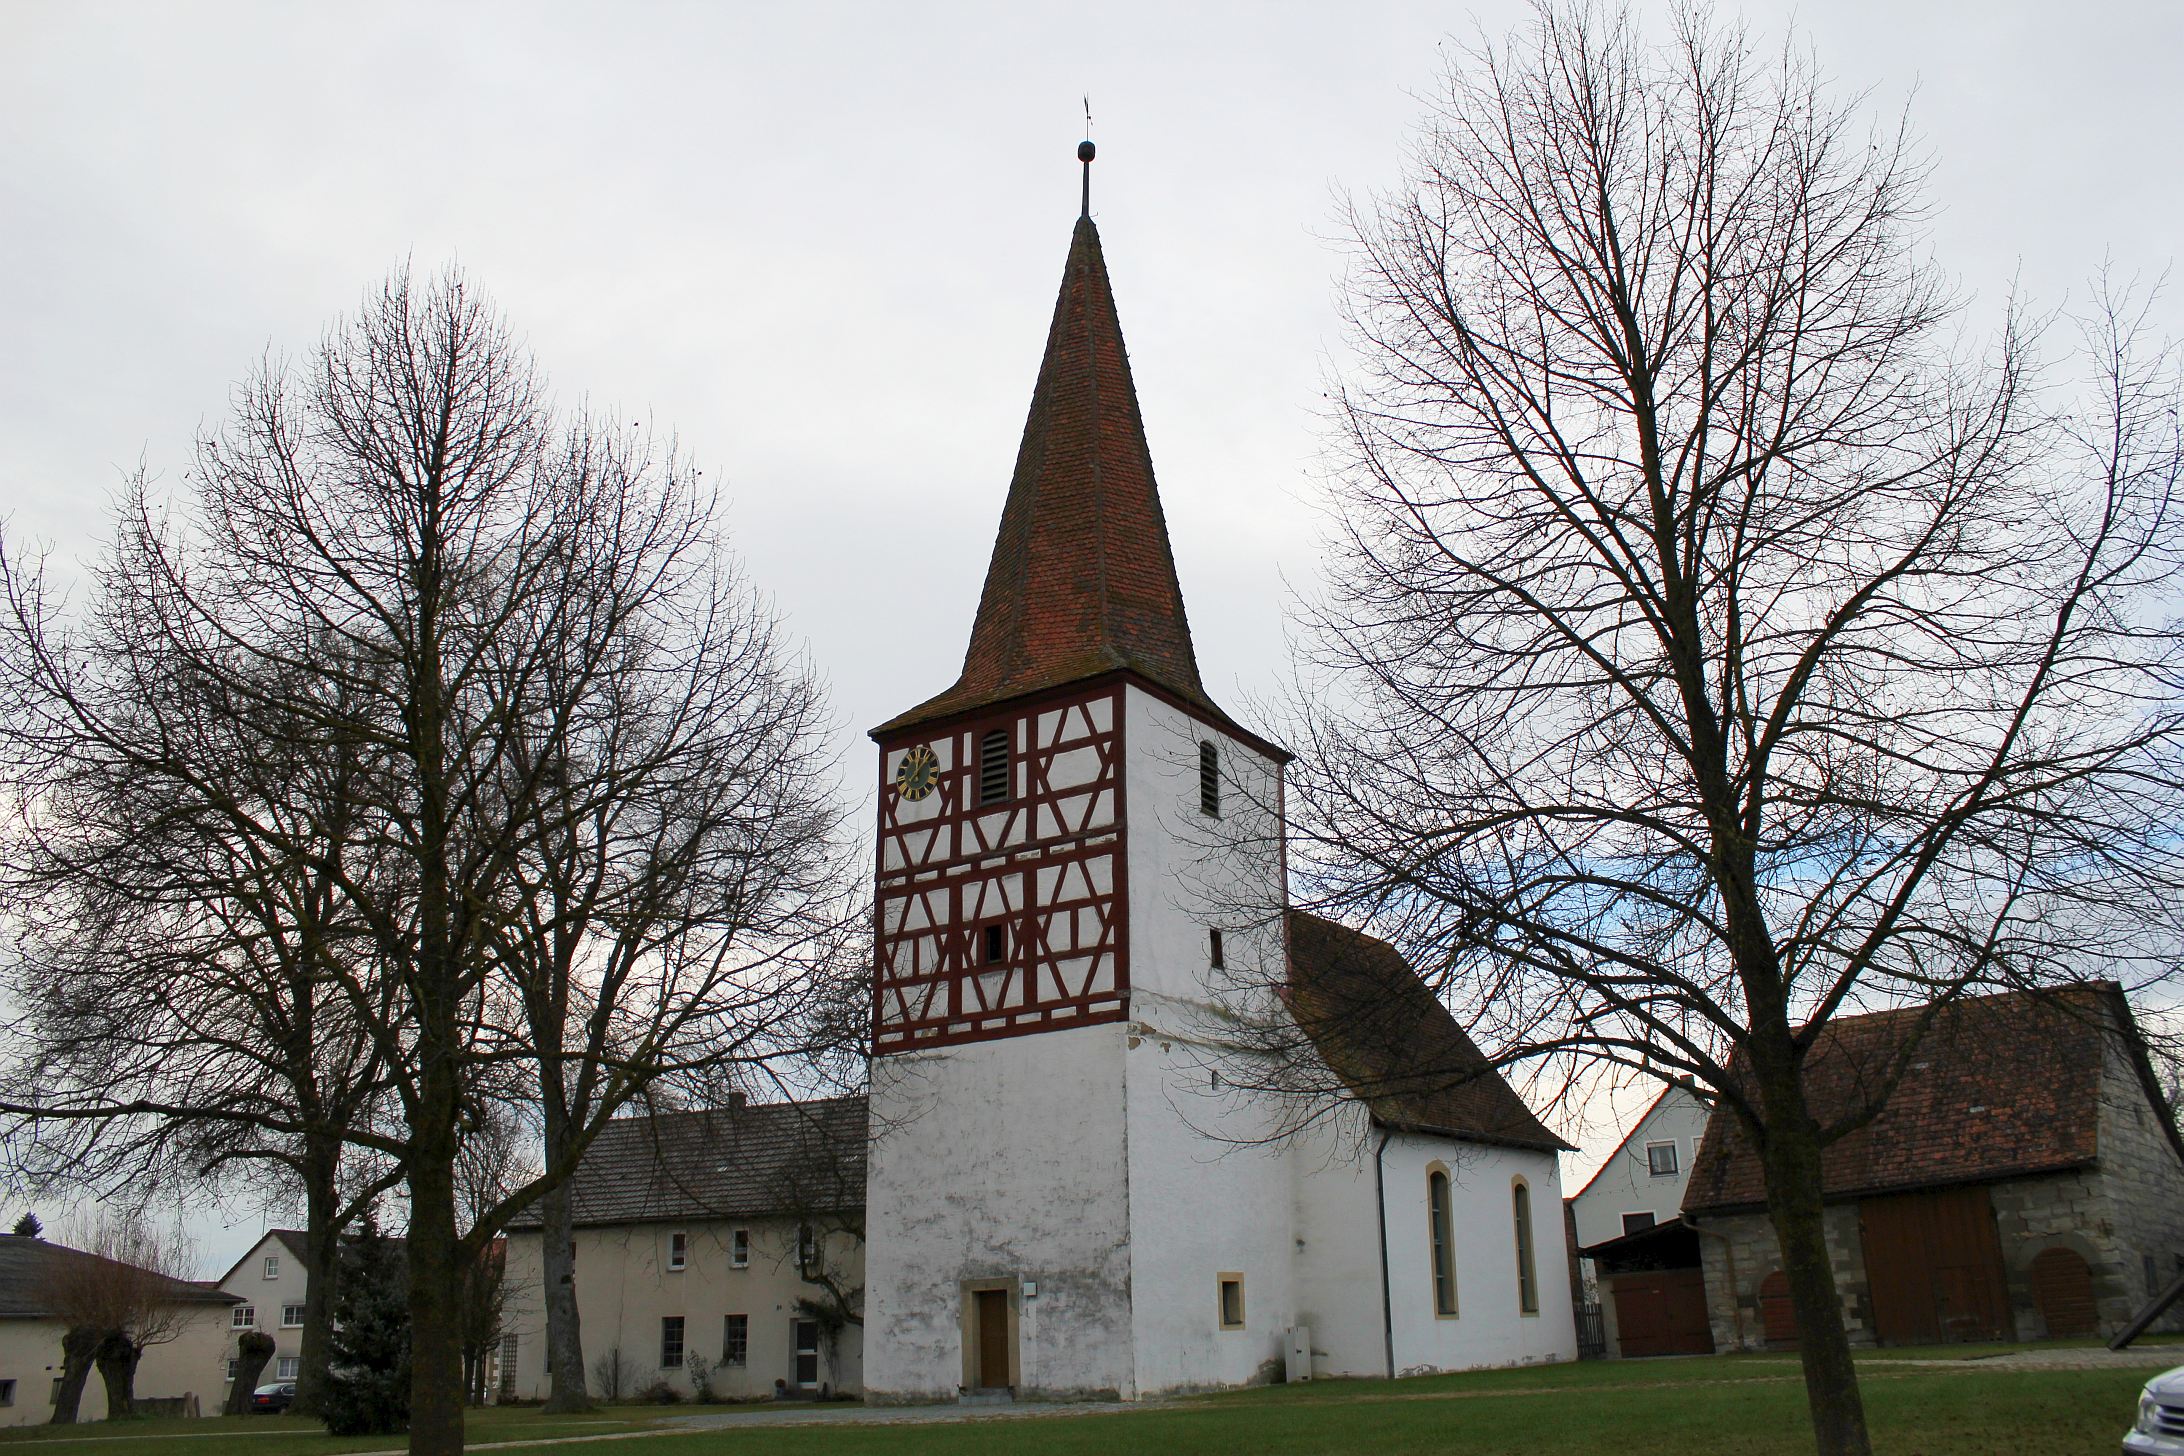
1085	150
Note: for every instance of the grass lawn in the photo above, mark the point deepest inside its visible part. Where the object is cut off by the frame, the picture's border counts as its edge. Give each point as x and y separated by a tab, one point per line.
1747	1405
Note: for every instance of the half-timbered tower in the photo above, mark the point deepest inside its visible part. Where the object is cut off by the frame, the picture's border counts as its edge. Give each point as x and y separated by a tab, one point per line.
1077	865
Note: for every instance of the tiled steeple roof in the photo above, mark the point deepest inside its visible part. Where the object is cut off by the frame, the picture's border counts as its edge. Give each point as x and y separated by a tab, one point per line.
1082	581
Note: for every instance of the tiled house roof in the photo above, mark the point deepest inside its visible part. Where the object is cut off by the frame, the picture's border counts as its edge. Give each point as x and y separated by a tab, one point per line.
1082	581
1383	1032
729	1162
2002	1086
29	1267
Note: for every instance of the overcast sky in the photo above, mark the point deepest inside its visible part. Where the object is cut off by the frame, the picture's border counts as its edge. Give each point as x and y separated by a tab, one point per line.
821	243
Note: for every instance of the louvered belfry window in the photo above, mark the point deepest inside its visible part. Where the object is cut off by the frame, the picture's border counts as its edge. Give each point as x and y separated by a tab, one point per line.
1209	779
993	767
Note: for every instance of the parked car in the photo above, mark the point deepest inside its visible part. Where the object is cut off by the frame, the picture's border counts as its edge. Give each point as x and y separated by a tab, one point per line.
2159	1430
275	1398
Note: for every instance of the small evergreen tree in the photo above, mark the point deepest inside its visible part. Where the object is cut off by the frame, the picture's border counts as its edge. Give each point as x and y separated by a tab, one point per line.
368	1364
28	1227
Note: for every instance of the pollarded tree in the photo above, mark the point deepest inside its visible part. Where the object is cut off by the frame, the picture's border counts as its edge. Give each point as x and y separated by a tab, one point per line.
396	558
1713	647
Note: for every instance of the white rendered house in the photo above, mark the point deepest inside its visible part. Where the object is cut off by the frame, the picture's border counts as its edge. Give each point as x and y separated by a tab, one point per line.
1063	1198
1642	1182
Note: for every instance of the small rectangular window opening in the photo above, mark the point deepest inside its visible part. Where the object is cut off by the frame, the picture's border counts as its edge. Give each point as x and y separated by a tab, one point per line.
735	1340
508	1351
807	1248
7	1392
993	944
272	1266
1232	1301
234	1368
671	1330
245	1317
291	1316
678	1251
1661	1159
739	1249
1209	780
993	767
1637	1223
287	1368
1214	954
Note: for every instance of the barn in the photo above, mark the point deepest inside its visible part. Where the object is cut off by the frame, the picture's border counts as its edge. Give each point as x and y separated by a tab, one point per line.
2024	1180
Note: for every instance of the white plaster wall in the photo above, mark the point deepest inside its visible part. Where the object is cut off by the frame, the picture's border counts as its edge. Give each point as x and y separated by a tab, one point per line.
1189	873
1489	1328
1625	1183
624	1288
193	1363
1209	1194
1338	1244
1000	1159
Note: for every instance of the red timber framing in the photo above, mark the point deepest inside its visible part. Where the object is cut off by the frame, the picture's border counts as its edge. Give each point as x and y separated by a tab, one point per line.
1048	863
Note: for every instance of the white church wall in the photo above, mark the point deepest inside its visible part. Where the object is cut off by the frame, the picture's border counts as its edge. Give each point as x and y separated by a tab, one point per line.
1209	1196
1489	1327
1338	1243
1000	1160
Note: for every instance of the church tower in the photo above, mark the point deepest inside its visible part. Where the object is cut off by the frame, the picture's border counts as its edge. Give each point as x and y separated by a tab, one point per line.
1056	1204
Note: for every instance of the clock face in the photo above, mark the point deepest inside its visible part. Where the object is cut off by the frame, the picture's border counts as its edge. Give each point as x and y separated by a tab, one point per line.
918	773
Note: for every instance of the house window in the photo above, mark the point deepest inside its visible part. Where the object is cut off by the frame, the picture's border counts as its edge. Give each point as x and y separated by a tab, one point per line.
993	944
1520	1204
807	1249
1634	1223
286	1367
739	1249
291	1316
1232	1301
7	1392
678	1251
671	1342
1209	780
508	1365
993	767
1661	1159
735	1340
234	1368
243	1317
272	1266
1444	1243
1214	954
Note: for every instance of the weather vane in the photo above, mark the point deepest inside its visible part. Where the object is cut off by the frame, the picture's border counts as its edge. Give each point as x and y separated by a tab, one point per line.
1085	152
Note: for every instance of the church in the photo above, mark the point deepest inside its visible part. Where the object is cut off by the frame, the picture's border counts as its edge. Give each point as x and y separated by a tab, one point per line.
1068	1191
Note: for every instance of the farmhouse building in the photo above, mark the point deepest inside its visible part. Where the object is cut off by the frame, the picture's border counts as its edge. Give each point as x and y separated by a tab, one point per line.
180	1374
2025	1179
721	1247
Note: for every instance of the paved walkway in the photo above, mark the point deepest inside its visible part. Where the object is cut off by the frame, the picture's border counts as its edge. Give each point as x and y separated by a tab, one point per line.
2139	1357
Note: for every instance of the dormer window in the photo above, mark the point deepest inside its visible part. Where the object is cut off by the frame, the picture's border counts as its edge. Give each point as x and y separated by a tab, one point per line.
993	767
1209	780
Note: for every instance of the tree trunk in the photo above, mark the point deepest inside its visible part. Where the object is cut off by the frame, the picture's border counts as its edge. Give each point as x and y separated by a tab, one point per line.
557	1272
79	1347
436	1359
117	1360
1794	1203
250	1363
322	1261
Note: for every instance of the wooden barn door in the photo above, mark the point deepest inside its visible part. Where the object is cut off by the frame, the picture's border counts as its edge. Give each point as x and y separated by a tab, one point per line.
1934	1267
1662	1312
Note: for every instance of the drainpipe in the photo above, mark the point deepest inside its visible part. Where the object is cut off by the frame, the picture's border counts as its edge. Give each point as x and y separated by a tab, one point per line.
1380	1197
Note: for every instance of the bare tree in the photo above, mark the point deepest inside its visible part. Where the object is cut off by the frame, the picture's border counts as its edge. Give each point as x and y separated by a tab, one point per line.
1713	647
170	964
399	559
123	1292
